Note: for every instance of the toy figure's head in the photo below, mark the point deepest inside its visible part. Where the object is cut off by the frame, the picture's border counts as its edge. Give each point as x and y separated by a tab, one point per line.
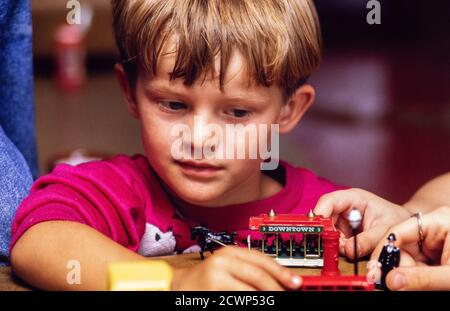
391	239
196	72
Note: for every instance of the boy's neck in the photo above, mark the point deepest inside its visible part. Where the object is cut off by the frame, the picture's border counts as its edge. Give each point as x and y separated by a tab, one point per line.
259	186
269	186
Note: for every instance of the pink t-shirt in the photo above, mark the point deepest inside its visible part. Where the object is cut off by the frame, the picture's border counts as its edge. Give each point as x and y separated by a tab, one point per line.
123	198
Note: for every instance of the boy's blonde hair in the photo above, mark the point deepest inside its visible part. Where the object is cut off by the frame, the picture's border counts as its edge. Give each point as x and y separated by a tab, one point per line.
279	39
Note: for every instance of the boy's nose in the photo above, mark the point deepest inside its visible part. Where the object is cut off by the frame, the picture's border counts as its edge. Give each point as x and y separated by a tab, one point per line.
203	136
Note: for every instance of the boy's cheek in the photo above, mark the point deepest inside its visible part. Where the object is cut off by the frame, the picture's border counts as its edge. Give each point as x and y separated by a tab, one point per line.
156	135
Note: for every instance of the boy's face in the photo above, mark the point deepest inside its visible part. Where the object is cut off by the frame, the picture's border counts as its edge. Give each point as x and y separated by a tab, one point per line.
161	105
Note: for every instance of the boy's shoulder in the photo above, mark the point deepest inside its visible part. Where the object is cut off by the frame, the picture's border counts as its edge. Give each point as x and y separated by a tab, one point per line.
119	162
136	162
118	170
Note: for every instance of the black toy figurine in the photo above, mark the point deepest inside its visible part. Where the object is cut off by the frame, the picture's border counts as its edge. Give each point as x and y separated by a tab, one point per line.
208	240
389	259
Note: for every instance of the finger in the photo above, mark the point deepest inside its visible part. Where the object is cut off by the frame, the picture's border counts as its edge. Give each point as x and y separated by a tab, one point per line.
406	260
339	201
419	278
445	257
373	275
239	286
366	242
413	250
342	242
233	284
278	272
344	227
407	232
435	227
253	276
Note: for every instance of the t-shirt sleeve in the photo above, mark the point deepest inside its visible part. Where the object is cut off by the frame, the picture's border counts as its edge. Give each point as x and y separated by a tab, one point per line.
99	194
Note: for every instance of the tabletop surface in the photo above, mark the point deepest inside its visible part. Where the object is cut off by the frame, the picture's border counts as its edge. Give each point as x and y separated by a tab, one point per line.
9	282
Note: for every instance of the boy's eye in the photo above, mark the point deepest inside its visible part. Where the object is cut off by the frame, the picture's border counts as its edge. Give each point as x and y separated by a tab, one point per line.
238	113
172	105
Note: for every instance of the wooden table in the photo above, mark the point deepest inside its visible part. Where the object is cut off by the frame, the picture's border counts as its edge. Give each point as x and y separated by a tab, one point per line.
10	283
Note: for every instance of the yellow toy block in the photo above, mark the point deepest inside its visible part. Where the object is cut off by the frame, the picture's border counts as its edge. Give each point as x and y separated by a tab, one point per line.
143	275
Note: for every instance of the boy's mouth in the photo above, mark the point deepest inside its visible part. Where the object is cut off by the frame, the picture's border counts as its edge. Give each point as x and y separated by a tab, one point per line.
198	169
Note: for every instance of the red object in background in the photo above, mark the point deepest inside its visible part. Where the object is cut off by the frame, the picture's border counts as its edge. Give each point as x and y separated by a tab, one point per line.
69	57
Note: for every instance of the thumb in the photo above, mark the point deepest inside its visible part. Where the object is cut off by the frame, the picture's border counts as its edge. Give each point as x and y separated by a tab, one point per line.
366	242
419	278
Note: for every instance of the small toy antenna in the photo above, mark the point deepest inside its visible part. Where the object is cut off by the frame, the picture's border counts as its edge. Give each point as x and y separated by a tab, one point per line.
354	218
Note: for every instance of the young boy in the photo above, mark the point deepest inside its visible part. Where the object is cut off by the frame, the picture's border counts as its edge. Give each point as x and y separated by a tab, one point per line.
225	63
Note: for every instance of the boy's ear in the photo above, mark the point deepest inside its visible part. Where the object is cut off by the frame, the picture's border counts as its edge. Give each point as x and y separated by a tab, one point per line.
127	90
295	107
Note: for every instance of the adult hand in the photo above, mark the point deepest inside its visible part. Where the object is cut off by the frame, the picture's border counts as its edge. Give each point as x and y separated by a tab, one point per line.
426	270
378	215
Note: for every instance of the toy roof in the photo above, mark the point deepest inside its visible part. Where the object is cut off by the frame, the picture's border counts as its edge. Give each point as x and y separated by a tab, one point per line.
290	220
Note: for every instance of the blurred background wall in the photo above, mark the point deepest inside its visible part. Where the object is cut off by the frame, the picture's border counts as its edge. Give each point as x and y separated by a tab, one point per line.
381	120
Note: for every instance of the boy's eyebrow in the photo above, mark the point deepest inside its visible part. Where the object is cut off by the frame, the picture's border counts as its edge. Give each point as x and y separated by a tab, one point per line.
245	99
162	90
167	91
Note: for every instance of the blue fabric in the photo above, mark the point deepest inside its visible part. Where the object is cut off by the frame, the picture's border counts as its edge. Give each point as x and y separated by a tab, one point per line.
15	182
16	78
17	125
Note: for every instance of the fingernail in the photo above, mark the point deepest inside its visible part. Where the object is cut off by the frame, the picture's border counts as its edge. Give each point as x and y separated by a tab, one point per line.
398	281
296	281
